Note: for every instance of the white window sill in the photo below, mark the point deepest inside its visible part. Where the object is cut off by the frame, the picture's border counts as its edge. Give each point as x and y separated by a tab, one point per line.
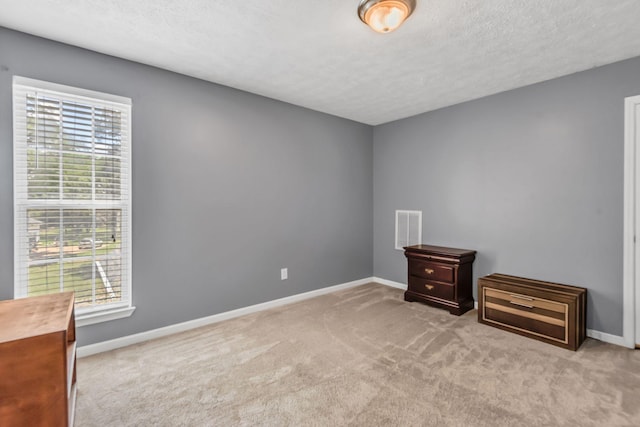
91	318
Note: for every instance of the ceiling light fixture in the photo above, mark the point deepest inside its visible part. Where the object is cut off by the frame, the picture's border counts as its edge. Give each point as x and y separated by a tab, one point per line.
385	16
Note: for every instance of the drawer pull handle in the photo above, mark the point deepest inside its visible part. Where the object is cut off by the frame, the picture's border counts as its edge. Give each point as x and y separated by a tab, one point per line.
521	297
428	286
429	270
520	304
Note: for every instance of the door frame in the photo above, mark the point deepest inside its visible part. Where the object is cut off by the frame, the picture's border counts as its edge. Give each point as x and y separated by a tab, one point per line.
631	260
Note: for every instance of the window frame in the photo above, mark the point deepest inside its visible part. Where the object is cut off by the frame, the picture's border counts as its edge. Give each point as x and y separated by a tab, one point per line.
84	315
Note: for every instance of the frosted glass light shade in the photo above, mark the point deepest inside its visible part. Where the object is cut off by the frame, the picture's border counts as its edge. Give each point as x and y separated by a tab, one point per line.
385	16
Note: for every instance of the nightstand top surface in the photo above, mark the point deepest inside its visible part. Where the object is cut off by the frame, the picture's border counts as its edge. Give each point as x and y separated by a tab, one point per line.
441	250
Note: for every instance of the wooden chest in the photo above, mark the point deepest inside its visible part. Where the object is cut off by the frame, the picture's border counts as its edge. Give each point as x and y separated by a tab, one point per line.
545	311
441	277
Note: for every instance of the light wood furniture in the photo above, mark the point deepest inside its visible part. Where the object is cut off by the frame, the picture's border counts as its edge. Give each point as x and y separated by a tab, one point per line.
38	361
441	277
545	311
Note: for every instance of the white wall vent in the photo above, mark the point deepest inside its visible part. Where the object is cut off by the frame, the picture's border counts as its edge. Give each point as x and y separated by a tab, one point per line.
408	228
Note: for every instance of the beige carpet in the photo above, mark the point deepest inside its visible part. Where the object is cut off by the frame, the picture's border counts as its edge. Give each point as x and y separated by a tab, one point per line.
358	357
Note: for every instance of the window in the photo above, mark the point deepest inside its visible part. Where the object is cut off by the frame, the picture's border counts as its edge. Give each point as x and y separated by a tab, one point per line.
72	200
408	229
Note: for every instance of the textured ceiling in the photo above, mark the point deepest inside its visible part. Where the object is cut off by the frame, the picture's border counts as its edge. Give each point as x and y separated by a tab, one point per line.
317	53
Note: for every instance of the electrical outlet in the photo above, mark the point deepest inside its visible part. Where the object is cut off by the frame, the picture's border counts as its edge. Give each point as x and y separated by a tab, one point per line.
284	273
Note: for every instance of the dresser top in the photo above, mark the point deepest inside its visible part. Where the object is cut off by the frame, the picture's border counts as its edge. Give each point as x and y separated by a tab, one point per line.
24	317
440	250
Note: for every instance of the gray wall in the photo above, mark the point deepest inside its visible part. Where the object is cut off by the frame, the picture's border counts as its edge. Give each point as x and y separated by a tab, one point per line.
531	178
228	187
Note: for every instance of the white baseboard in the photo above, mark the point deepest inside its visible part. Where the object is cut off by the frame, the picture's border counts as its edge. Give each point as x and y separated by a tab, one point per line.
113	344
391	283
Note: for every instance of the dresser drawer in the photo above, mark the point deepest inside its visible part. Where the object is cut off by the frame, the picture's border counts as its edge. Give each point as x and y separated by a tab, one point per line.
434	289
432	271
525	303
546	311
534	315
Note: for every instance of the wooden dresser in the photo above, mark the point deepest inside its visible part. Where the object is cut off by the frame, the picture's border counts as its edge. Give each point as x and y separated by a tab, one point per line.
548	312
38	361
441	277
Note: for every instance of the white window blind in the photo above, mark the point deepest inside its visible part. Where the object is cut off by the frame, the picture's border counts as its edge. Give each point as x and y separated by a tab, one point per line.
408	228
72	194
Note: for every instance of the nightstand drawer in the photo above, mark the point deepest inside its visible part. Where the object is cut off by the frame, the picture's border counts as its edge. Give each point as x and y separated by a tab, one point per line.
432	271
439	290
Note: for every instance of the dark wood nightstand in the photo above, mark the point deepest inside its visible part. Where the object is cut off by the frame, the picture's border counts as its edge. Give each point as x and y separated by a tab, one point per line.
441	277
